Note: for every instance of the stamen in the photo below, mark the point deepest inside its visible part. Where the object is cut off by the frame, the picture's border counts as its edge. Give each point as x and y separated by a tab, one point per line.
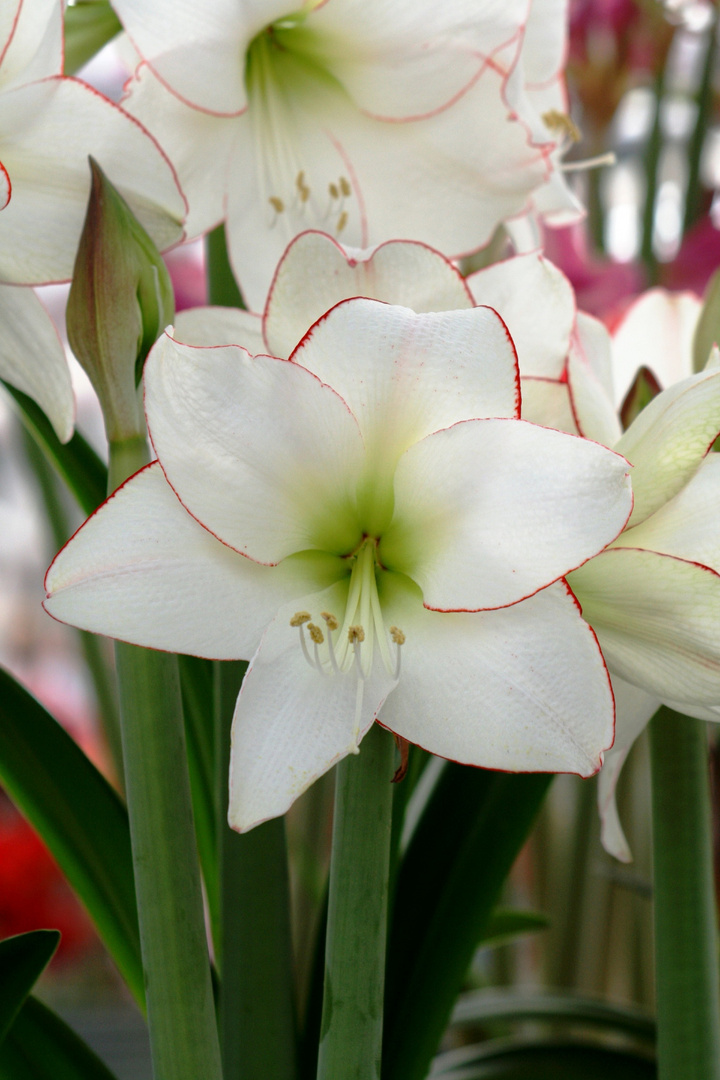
315	633
356	634
303	189
334	192
588	163
399	638
342	222
562	124
300	617
332	623
277	204
345	187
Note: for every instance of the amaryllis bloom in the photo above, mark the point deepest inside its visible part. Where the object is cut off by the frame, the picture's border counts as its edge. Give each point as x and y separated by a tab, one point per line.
653	596
371	523
367	119
49	125
32	357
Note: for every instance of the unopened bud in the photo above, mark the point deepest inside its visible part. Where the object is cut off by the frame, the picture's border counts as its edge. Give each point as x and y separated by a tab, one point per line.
644	388
121	299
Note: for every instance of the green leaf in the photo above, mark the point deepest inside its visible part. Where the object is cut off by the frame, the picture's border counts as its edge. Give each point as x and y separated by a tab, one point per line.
75	461
23	958
505	924
450	879
79	816
542	1060
41	1046
707	331
556	1007
89	25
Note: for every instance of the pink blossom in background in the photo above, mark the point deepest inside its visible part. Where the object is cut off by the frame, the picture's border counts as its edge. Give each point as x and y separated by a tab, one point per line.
186	266
604	288
697	260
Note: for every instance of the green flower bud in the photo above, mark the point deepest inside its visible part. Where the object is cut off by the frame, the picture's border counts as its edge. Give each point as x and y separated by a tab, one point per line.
121	299
644	388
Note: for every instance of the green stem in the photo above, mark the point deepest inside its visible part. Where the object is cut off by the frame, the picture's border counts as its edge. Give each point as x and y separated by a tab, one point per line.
686	944
653	151
352	1021
181	1014
704	102
257	1003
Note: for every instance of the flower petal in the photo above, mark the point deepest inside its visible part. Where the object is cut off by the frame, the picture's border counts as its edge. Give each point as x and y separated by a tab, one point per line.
260	451
316	272
405	375
197	48
669	439
592	405
688	526
292	723
219	326
656	618
489	511
656	332
32	357
633	709
545	40
47	130
547	402
537	302
524	688
31	41
143	570
198	145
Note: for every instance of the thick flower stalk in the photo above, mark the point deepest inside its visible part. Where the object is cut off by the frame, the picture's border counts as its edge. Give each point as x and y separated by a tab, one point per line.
368	120
371	523
49	124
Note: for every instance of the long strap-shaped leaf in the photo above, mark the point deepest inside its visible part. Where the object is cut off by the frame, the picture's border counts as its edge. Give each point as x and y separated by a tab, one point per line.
449	882
542	1060
76	461
23	958
79	816
41	1046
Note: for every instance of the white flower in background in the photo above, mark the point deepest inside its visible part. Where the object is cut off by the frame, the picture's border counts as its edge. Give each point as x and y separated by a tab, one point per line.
371	522
367	119
49	125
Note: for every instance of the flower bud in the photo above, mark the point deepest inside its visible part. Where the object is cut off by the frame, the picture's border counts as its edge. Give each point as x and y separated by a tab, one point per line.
644	388
121	299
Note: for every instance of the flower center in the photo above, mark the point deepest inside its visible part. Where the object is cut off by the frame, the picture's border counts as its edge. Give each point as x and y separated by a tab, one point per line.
300	169
349	645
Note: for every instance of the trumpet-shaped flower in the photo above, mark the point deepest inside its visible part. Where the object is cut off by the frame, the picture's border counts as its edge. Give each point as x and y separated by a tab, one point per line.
49	124
369	119
371	523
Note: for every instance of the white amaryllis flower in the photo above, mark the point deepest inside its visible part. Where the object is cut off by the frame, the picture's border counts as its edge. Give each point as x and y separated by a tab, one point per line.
49	125
32	357
373	524
366	118
653	596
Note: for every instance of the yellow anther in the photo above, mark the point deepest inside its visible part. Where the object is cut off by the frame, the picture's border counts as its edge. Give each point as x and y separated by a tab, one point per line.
397	635
562	124
342	222
345	187
303	189
334	192
332	623
277	204
356	635
315	633
300	617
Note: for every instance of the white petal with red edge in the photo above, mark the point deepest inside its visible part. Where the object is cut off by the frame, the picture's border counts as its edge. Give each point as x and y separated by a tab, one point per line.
316	273
264	454
688	526
32	357
592	339
489	511
633	710
524	688
47	130
422	180
199	146
669	438
31	41
545	40
657	620
404	375
143	570
655	332
547	402
197	47
220	326
592	406
537	302
292	723
405	60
